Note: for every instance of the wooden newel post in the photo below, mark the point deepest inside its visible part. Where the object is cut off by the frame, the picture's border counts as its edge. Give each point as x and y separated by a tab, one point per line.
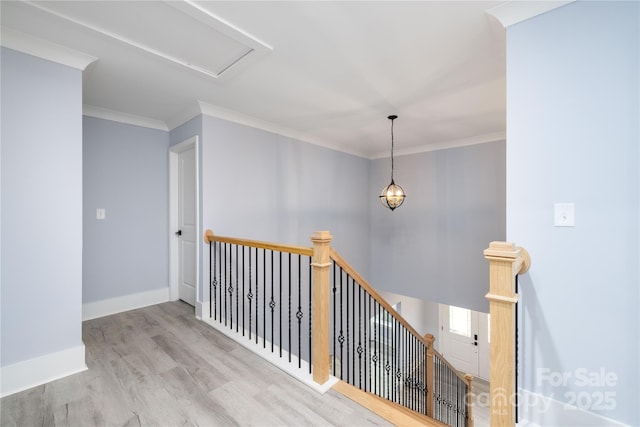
321	265
505	262
429	379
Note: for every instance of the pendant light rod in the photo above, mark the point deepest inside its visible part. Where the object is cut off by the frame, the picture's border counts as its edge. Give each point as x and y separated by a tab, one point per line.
392	118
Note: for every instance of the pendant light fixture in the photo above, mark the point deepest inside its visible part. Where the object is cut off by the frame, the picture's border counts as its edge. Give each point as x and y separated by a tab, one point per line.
392	195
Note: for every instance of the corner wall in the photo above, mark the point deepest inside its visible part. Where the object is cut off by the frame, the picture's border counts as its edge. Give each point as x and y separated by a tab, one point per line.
41	307
125	255
573	121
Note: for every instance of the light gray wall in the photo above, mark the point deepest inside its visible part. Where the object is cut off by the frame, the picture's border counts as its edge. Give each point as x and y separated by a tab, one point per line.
186	130
422	315
431	247
263	186
125	172
41	287
573	136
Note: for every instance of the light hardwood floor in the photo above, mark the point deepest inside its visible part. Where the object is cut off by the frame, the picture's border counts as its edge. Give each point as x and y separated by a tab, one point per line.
159	366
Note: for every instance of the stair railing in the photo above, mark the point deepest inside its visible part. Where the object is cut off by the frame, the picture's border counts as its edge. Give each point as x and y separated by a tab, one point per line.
386	356
262	292
310	308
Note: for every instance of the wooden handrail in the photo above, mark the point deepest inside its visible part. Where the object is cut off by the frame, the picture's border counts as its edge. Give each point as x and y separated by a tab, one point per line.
299	250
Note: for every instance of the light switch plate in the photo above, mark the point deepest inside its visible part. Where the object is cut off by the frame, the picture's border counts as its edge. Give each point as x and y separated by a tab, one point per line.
101	213
564	215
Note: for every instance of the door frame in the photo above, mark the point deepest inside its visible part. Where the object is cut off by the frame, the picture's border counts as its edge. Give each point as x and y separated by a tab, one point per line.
174	152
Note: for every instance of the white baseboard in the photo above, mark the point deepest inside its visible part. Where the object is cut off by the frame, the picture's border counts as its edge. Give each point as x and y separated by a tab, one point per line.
93	310
301	374
40	370
539	410
202	310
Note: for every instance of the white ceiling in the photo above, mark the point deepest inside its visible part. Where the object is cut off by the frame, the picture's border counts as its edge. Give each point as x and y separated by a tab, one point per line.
325	72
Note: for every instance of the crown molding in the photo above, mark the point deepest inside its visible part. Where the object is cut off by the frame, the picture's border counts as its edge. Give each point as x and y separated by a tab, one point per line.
44	49
206	109
117	116
443	145
516	11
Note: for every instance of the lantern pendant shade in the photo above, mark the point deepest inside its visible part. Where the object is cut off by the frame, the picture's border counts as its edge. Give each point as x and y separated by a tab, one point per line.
392	196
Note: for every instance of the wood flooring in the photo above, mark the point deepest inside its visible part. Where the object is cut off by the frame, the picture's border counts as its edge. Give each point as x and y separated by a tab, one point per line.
159	366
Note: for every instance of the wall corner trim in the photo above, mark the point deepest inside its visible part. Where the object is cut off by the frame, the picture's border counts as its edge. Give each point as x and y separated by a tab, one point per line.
93	310
512	12
40	370
44	49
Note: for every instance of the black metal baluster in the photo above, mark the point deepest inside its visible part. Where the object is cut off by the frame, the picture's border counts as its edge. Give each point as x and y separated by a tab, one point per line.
403	362
210	277
387	364
221	268
250	294
360	349
417	395
394	353
310	312
353	324
367	353
215	279
516	355
237	292
348	341
398	363
223	286
376	341
244	271
257	294
437	386
449	395
413	367
406	368
264	298
272	303
427	391
221	279
341	338
289	348
280	301
230	289
413	374
299	314
458	402
335	308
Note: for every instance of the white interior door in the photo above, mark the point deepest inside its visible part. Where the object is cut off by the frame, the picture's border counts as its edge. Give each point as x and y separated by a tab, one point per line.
464	337
187	226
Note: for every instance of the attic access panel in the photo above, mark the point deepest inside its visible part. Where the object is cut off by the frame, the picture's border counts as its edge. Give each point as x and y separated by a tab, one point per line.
178	31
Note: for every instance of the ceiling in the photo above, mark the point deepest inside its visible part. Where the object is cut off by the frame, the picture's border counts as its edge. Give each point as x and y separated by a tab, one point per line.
324	72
